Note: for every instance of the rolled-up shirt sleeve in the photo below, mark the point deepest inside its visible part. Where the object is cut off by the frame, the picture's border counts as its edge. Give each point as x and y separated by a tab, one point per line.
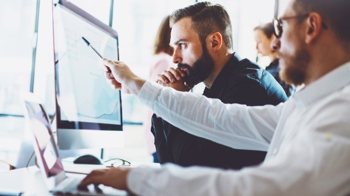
233	125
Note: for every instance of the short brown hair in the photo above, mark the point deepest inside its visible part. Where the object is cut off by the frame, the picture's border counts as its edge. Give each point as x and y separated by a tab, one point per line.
162	40
207	18
336	14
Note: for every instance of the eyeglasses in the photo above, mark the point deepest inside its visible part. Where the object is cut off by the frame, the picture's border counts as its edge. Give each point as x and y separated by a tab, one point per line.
277	23
115	162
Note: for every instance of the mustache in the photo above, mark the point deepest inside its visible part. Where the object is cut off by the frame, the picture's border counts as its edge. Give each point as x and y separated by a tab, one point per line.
184	65
191	78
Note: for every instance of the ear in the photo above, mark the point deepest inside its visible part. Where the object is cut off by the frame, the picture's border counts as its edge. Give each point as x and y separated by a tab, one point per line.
314	27
215	41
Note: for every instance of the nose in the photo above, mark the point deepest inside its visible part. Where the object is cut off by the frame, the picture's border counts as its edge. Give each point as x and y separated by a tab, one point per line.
256	46
177	57
275	44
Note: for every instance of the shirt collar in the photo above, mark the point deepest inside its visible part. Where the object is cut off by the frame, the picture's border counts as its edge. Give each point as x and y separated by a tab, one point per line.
223	76
324	86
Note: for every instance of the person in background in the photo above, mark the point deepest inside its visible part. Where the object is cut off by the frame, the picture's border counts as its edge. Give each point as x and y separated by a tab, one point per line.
308	135
263	38
203	50
162	60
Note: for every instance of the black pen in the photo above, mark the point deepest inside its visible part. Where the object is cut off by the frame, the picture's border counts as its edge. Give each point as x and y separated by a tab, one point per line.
88	44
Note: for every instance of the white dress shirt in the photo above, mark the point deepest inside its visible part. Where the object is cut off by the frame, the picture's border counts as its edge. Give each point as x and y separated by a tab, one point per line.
308	141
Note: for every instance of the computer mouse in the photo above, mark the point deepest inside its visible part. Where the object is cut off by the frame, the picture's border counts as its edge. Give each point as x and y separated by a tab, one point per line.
88	159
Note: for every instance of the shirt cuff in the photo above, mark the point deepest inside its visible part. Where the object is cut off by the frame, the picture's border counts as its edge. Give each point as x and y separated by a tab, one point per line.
137	178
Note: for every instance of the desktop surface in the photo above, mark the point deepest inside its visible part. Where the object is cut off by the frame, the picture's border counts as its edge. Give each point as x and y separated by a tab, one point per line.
20	181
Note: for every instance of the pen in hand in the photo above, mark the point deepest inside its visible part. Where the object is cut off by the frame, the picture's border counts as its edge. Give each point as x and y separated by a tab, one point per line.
89	45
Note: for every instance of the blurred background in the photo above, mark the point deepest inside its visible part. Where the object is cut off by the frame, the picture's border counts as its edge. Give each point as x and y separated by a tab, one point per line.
26	57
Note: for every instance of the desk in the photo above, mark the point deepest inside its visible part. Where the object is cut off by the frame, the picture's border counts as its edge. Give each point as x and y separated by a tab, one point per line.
30	181
25	180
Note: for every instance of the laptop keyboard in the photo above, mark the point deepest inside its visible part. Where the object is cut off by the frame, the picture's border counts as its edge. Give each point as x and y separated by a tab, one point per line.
69	186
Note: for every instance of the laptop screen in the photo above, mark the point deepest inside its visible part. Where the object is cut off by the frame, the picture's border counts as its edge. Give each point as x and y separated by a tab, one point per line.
46	150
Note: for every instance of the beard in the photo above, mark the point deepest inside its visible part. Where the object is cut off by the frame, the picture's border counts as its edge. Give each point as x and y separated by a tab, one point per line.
200	69
293	71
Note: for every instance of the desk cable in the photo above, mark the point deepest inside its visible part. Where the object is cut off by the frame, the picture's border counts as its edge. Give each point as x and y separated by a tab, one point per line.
30	158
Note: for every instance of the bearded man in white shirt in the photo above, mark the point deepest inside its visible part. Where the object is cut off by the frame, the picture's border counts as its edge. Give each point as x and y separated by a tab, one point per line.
308	136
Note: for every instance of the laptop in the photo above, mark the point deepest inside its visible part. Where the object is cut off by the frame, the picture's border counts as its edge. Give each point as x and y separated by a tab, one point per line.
48	159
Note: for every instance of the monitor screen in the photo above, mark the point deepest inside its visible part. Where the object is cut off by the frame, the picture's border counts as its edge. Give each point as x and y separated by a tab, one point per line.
89	111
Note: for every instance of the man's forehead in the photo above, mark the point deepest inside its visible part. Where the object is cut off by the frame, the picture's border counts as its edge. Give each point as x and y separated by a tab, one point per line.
182	30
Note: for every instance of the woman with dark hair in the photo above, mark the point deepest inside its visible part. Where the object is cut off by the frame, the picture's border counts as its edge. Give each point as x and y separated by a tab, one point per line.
162	60
264	36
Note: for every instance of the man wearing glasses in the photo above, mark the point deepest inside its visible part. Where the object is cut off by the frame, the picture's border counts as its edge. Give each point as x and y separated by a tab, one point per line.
309	135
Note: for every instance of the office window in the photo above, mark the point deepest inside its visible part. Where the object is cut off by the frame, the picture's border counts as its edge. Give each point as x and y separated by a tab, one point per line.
137	22
17	39
245	15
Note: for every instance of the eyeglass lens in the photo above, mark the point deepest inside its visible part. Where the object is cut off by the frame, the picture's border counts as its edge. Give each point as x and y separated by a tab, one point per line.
277	28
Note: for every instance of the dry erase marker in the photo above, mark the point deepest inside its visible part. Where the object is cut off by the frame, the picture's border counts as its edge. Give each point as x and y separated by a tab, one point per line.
88	44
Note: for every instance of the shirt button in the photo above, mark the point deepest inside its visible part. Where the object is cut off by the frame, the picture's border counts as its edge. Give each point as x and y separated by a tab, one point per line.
133	187
329	137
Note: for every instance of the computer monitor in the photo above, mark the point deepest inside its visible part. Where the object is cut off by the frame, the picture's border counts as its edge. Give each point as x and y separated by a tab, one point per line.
88	110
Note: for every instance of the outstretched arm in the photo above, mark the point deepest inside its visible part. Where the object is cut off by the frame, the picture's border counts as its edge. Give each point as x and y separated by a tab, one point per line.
233	125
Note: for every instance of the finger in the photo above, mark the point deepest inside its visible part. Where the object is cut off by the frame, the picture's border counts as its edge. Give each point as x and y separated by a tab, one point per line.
109	75
107	69
96	180
162	78
168	75
92	178
183	73
98	189
113	83
177	73
162	83
116	85
109	63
